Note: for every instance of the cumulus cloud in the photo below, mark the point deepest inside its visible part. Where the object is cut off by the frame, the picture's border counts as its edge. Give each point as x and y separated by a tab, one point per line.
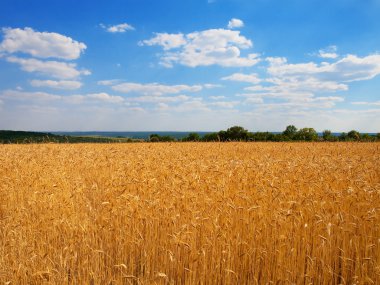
304	84
365	103
254	100
217	97
56	69
235	23
209	47
192	106
120	28
211	86
47	97
162	107
240	77
167	41
93	98
155	89
299	84
224	104
62	84
188	106
330	52
33	96
105	97
40	44
159	99
350	68
109	82
297	103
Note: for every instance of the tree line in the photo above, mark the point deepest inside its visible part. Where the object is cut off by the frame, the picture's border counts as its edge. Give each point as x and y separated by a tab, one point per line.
235	133
291	133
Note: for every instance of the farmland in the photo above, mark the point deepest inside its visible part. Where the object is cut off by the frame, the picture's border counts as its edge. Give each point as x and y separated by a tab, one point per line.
190	213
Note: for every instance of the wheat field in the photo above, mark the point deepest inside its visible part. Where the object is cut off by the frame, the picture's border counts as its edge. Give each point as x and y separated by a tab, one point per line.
190	213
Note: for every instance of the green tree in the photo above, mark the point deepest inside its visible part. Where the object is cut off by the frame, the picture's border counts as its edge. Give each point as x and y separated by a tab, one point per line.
290	131
367	138
154	138
212	137
192	137
306	134
353	135
327	135
237	133
222	136
343	136
260	136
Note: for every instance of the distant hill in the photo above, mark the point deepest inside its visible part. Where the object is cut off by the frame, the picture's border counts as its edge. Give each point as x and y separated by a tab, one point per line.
133	135
39	137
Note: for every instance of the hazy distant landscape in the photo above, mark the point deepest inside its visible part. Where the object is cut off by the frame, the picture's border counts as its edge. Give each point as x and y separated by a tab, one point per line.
133	135
145	135
235	133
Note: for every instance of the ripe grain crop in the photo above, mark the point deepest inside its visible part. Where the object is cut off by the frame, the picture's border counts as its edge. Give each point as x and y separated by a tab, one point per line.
190	213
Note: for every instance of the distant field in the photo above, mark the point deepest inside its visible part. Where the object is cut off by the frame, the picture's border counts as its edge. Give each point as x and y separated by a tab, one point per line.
190	213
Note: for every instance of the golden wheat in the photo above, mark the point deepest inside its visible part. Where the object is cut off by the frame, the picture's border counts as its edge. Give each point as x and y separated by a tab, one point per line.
190	213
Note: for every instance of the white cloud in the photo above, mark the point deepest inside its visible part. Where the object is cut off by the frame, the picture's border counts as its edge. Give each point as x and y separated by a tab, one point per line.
209	47
254	100
40	44
354	113
47	97
155	89
62	84
34	96
304	84
105	97
150	86
120	28
109	82
93	97
167	41
282	95
162	107
297	99
250	78
235	23
224	104
217	97
38	109
56	69
302	104
192	106
329	52
375	103
159	99
188	106
347	69
299	83
211	86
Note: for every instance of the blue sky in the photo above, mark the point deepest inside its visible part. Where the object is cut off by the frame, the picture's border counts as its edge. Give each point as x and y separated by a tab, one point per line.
200	65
